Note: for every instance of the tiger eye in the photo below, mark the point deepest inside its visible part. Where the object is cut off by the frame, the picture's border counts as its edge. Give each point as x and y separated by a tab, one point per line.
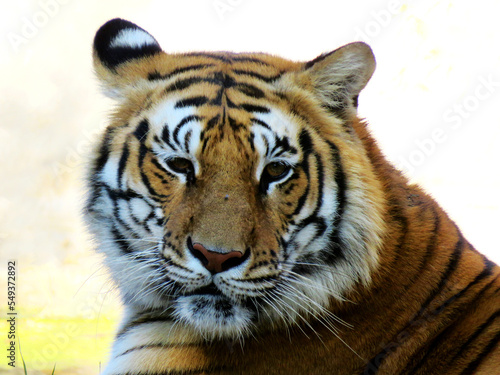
276	169
181	165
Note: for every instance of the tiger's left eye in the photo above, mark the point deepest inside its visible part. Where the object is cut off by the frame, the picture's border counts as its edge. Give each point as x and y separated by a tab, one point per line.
276	170
181	165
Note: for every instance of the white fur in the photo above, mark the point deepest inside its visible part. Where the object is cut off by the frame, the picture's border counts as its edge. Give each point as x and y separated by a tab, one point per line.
132	38
282	126
165	114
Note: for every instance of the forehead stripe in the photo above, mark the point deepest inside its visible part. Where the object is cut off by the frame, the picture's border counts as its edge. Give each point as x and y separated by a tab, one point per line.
182	123
210	56
195	101
212	122
165	136
184	83
250	90
254	108
157	76
261	77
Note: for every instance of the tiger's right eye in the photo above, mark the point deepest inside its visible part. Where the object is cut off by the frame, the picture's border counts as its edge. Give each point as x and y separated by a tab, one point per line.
276	170
181	165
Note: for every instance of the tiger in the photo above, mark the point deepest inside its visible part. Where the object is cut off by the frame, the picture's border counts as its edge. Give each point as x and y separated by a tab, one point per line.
252	225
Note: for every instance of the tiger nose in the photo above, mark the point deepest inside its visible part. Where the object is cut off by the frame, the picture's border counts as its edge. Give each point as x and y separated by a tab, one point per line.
217	262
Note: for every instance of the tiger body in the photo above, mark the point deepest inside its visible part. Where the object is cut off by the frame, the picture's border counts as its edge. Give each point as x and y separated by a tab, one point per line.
253	226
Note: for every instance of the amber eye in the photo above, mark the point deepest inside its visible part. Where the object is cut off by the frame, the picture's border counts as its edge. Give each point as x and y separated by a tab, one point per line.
276	170
180	165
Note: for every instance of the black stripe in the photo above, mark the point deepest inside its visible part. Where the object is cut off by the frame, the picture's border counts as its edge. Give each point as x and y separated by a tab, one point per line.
142	130
305	143
104	150
235	125
157	76
249	59
183	122
187	138
266	142
122	164
432	347
261	123
122	243
452	265
319	223
127	195
195	101
441	337
321	57
157	346
223	58
478	331
321	183
217	78
281	146
487	270
157	164
217	100
267	79
254	108
151	191
250	139
341	182
143	151
250	90
212	122
450	268
165	136
199	371
119	220
138	322
224	80
429	250
471	368
184	83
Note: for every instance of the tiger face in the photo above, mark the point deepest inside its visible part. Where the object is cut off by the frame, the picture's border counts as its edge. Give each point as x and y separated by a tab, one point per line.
229	193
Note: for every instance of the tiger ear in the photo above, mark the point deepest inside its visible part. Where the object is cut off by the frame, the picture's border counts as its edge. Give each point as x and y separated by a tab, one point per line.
118	45
339	76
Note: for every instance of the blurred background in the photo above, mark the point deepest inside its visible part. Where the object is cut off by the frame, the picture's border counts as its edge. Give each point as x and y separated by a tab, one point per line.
432	104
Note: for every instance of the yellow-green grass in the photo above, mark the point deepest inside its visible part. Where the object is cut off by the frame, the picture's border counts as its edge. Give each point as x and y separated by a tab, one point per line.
67	342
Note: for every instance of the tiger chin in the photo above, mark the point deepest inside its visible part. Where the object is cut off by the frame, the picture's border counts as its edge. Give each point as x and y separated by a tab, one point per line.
253	226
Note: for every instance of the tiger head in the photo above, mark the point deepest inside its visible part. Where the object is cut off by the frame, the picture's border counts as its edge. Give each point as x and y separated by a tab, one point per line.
230	191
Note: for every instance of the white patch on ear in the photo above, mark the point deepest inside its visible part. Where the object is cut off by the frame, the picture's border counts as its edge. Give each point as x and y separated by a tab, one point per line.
132	38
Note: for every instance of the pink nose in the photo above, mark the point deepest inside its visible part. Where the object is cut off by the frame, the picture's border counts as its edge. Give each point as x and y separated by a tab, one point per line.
217	262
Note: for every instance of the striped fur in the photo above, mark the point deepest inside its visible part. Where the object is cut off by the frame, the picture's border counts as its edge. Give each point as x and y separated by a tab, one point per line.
343	266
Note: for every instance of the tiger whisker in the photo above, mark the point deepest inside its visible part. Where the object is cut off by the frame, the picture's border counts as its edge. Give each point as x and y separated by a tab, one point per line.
322	309
319	287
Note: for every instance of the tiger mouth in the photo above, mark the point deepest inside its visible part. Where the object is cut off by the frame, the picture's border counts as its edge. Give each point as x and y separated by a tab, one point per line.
209	290
213	293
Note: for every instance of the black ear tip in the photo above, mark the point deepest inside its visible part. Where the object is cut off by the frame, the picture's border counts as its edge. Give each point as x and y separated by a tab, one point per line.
119	40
